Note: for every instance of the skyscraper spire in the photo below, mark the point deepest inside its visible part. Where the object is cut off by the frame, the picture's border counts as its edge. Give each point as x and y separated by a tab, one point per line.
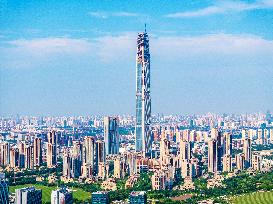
145	28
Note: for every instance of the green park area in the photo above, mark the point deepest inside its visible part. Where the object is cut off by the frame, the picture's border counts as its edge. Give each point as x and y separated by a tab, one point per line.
78	194
254	198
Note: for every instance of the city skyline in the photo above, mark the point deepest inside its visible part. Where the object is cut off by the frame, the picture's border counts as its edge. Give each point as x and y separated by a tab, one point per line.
82	61
136	101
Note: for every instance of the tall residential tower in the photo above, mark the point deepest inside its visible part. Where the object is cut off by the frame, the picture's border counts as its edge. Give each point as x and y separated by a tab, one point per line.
143	96
111	136
51	150
4	190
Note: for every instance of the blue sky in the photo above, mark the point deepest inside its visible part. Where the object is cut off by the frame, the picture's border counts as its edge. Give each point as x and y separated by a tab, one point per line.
78	57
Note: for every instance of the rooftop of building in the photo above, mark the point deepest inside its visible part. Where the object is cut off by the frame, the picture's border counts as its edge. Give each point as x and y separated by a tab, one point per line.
31	188
63	189
136	193
100	192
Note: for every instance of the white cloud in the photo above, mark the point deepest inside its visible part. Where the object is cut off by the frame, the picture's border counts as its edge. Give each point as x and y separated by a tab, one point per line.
222	7
43	46
116	48
214	44
103	14
126	14
121	49
99	14
202	12
29	53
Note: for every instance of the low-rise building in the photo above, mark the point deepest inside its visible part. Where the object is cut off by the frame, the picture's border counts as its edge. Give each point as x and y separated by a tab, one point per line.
138	197
131	181
188	184
66	179
100	197
109	185
52	178
158	180
216	181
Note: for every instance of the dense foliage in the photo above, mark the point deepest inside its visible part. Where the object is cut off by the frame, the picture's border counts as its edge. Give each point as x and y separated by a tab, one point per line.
240	184
243	183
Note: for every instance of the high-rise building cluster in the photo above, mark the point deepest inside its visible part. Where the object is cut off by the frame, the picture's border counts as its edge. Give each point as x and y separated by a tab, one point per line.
183	147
